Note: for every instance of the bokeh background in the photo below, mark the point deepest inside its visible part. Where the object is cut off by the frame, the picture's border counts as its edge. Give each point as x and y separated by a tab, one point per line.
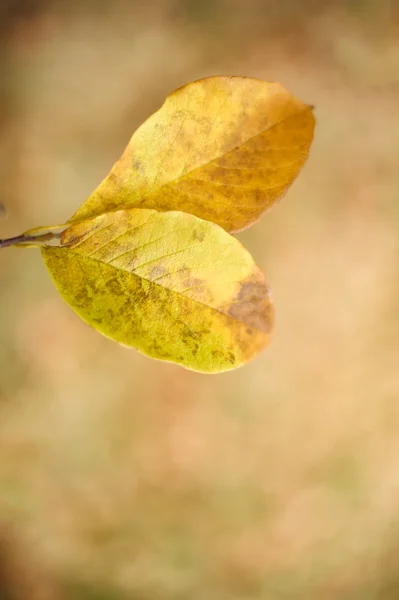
126	478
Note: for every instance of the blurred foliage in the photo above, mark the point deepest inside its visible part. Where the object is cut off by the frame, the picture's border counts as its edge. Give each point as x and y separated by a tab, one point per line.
279	480
85	592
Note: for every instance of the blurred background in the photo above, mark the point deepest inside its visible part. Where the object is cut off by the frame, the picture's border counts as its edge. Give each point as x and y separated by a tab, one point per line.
126	478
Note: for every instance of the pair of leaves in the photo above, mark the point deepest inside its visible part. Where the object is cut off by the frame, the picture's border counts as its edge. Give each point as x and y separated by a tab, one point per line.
148	259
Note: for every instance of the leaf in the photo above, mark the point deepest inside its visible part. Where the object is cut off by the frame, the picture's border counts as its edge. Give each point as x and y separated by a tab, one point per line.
169	284
224	149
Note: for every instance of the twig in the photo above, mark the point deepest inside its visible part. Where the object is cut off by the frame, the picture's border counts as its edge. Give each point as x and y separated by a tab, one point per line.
22	239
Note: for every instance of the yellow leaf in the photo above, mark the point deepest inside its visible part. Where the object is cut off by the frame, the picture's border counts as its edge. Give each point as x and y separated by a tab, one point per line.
169	284
224	149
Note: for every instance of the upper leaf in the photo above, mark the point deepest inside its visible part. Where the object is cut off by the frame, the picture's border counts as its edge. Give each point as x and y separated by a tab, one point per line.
224	149
173	286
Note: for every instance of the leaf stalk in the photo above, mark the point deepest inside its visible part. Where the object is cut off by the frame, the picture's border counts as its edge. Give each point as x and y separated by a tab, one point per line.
26	239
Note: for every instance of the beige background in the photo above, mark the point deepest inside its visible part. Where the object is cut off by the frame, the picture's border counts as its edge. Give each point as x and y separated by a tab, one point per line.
122	477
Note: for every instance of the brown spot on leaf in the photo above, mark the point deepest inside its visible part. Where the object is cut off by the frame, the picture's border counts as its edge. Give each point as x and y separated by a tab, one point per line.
198	235
252	304
114	286
158	271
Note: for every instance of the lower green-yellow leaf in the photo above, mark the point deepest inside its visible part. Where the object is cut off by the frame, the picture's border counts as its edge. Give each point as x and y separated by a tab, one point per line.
171	285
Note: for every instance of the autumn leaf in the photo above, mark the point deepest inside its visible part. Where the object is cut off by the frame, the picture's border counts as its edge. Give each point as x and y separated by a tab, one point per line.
223	148
172	285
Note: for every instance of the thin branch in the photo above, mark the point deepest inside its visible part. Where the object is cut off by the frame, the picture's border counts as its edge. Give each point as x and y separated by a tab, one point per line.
23	239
